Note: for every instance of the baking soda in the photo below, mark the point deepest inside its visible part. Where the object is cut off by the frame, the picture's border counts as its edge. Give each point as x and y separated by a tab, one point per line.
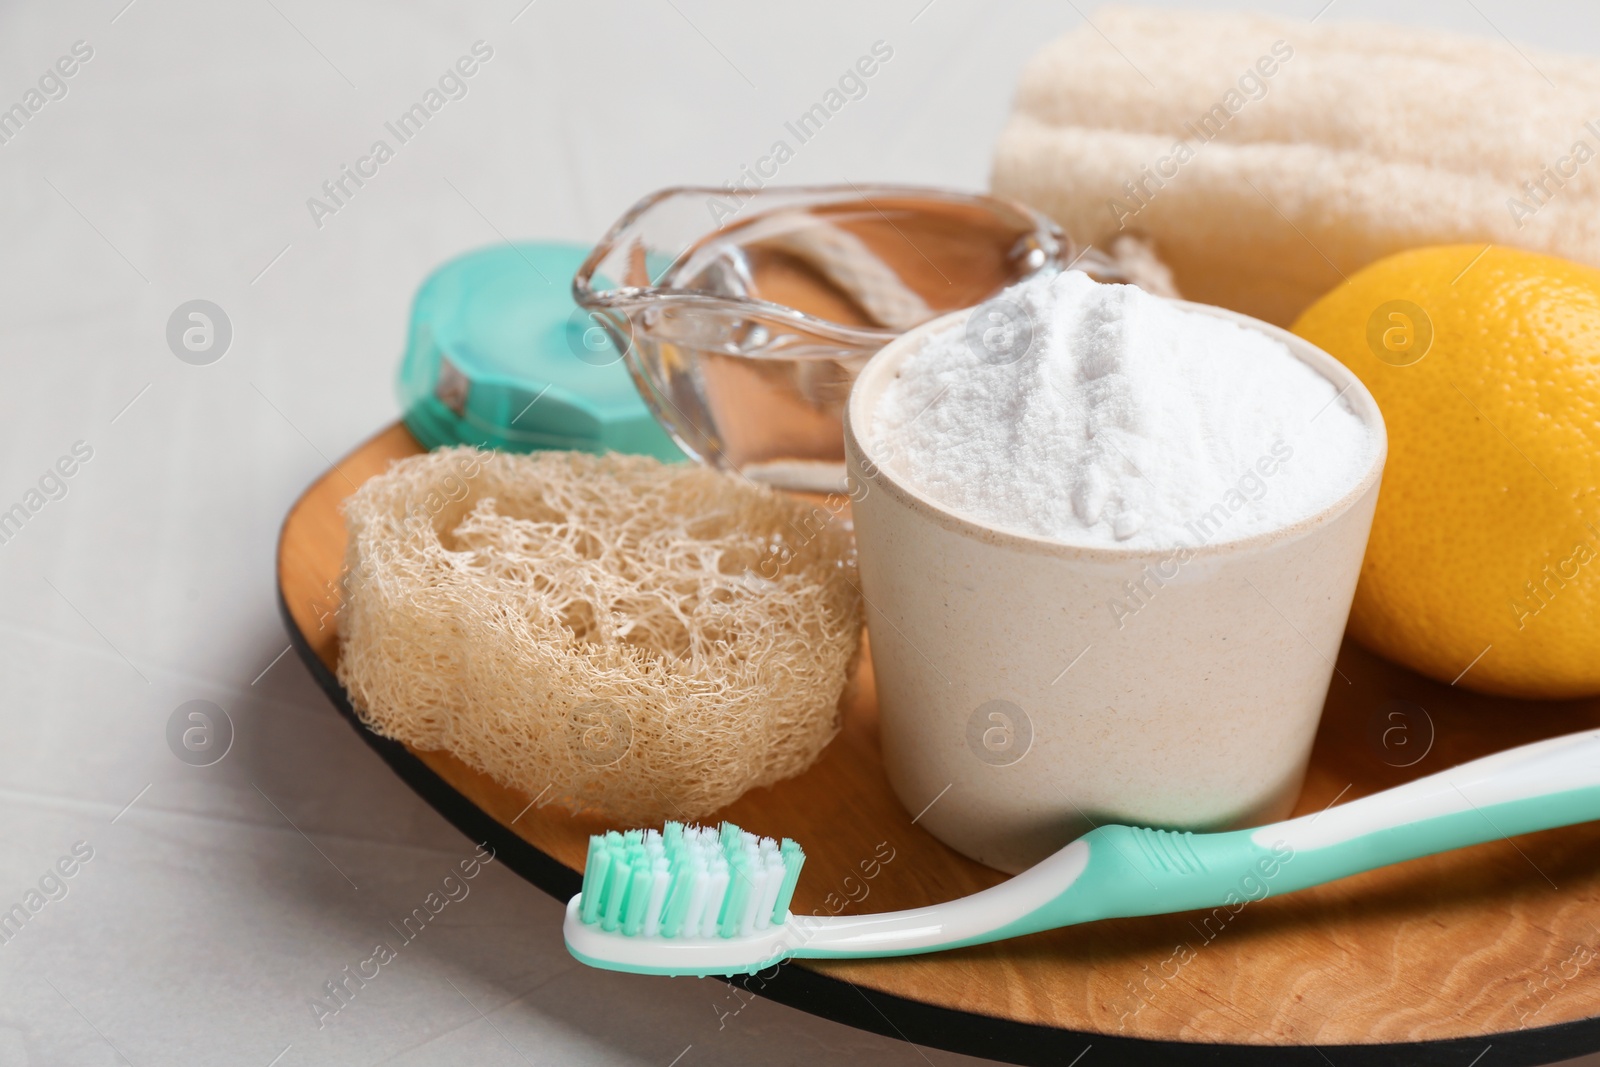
1101	415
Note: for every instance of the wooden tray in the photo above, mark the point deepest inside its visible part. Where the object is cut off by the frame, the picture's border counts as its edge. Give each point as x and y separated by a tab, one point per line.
1429	962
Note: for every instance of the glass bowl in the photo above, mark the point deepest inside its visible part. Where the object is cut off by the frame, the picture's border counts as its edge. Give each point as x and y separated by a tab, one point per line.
744	315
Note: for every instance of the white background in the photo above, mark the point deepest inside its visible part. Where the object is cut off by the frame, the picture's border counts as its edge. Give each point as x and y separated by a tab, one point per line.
177	167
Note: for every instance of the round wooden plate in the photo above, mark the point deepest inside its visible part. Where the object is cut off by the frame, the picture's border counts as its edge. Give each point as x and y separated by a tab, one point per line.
1435	961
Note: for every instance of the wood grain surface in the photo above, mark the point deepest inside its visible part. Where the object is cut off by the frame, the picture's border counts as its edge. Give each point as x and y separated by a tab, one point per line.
1499	937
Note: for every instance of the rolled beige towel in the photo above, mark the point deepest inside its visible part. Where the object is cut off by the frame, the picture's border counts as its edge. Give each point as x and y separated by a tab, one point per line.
1267	158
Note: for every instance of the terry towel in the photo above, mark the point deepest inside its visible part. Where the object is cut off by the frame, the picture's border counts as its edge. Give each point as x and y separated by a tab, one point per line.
1267	159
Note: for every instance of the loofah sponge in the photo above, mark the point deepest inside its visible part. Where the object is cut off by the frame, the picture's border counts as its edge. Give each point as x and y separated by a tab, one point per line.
1267	158
612	633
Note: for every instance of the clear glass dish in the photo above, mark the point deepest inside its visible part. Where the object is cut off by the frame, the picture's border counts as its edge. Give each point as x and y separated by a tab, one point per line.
744	317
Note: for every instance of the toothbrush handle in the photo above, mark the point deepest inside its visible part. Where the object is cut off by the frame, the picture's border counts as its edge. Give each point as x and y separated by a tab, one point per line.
1535	787
1134	871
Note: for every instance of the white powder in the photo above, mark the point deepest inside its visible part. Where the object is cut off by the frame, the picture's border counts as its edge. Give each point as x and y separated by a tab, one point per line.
1126	421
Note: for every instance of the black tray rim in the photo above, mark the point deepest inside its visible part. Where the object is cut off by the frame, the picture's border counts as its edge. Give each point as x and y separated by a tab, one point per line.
935	1026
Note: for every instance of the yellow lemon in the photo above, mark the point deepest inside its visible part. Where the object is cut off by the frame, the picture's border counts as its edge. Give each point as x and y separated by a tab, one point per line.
1484	563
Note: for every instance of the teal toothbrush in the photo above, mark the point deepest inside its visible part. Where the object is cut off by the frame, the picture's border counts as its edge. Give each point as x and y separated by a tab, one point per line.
697	901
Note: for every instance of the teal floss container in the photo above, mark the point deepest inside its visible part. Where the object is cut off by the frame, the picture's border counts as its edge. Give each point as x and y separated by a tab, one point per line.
500	357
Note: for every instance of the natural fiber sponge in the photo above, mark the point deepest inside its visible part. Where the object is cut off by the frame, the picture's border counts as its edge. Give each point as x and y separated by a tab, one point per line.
637	639
1267	158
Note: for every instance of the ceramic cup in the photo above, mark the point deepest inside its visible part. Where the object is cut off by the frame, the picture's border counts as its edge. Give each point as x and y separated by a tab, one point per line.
1018	709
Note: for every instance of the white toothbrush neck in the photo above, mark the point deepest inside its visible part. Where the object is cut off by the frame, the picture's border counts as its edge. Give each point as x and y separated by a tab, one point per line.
939	925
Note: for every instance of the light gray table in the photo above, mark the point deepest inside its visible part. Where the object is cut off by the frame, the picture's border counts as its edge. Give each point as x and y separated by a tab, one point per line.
177	166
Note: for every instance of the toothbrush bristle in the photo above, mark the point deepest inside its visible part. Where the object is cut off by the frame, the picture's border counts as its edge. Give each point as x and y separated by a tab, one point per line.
688	881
